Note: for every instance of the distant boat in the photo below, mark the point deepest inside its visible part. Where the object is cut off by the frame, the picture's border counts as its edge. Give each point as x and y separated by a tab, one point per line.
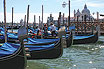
85	39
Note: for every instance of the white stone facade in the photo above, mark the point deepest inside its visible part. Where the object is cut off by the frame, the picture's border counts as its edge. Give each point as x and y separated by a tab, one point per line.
84	15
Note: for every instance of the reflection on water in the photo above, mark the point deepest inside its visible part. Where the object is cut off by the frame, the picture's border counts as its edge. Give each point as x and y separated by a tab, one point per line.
90	56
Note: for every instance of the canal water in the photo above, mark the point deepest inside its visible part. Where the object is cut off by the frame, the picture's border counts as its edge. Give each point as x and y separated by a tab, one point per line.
89	56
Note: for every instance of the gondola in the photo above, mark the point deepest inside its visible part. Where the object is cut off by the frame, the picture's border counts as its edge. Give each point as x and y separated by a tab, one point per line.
11	37
67	39
52	48
45	48
46	51
85	39
12	56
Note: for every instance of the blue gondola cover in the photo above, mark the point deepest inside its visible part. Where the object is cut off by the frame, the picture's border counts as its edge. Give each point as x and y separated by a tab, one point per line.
8	49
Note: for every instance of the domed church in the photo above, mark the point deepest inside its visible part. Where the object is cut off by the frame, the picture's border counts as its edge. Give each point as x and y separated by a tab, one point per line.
84	15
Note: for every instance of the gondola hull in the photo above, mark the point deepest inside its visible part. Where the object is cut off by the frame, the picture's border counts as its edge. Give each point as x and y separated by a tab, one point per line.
49	53
92	39
14	61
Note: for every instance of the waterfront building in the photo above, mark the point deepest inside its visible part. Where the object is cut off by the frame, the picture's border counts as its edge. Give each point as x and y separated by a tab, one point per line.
83	15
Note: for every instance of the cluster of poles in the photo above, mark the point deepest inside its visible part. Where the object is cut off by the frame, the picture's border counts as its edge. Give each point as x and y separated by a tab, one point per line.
26	25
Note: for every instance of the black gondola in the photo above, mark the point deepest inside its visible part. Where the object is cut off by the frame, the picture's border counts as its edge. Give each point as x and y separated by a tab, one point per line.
38	50
12	56
85	39
67	38
11	37
14	60
46	51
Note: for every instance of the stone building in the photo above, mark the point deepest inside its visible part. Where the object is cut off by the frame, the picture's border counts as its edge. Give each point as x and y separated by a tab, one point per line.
83	15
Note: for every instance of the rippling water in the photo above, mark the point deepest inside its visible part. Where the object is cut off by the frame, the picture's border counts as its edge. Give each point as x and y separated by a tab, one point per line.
90	56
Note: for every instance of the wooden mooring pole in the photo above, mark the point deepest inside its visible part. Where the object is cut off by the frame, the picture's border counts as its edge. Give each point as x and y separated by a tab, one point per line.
25	21
12	18
27	18
39	23
42	22
5	21
59	20
34	24
69	16
63	19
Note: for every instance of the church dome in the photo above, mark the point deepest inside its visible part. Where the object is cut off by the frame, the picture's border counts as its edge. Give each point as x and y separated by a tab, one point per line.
85	10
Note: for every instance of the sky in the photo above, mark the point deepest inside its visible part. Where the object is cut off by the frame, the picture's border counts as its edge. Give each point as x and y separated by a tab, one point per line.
50	7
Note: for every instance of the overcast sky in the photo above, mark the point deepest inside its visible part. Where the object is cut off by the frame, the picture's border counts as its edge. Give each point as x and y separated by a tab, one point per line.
50	6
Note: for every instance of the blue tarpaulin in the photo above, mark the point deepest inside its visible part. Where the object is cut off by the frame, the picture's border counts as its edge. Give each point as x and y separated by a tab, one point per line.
42	47
9	35
8	49
37	41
